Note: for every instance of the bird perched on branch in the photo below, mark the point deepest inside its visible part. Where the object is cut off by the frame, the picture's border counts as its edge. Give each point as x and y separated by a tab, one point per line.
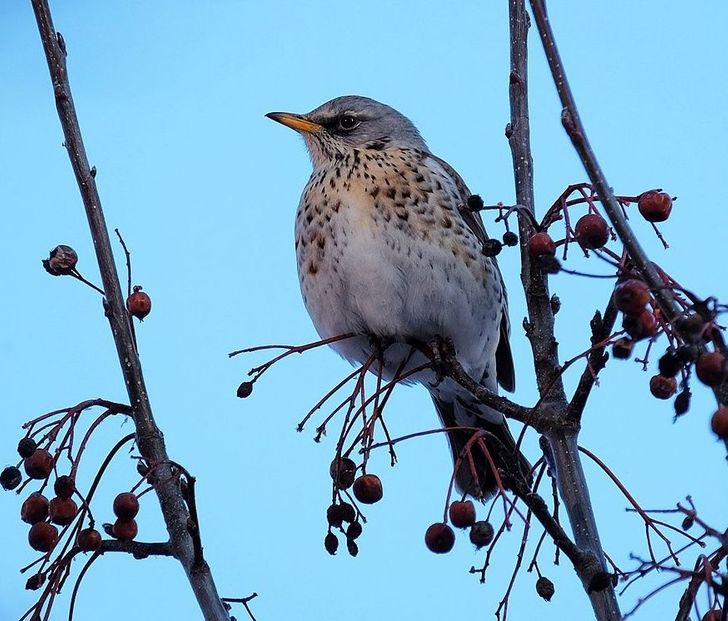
388	249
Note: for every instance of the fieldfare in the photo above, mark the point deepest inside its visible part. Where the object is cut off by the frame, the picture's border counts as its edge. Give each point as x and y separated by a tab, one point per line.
388	249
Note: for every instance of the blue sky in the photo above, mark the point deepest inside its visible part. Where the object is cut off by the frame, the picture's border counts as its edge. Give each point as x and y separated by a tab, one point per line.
171	97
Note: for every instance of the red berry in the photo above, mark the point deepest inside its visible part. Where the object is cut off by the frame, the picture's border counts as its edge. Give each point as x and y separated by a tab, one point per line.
591	231
640	326
42	536
711	368
139	304
655	206
124	530
64	486
368	489
712	615
88	540
462	513
481	534
34	509
126	506
719	423
343	472
631	296
541	244
545	588
39	464
663	387
62	511
439	538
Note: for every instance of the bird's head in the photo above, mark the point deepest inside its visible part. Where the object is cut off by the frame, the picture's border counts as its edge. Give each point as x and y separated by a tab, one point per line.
351	122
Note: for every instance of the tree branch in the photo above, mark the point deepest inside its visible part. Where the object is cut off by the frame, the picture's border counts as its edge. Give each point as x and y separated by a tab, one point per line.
149	438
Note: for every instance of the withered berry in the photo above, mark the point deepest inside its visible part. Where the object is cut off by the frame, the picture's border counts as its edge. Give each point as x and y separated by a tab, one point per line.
124	530
245	390
368	489
10	478
34	509
510	238
62	260
545	588
475	203
331	543
348	513
43	536
343	472
640	326
682	402
481	534
462	513
39	464
353	530
334	515
591	231
622	348
631	296
139	304
126	506
62	510
655	206
662	387
352	547
541	244
491	247
88	540
35	582
439	538
26	447
669	364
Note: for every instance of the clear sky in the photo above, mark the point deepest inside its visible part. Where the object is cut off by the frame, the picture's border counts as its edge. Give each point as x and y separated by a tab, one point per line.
171	97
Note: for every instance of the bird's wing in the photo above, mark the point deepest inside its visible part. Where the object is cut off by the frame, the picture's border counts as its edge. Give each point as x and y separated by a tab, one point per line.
505	370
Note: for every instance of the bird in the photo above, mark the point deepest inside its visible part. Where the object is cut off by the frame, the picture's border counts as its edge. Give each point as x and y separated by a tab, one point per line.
388	250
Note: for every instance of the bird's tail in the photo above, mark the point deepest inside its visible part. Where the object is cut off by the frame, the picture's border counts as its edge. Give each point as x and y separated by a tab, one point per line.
475	475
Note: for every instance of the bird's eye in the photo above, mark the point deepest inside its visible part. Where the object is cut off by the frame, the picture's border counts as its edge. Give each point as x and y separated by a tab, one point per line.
348	122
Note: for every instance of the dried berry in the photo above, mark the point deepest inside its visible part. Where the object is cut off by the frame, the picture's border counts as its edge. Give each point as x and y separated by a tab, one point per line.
34	509
631	296
139	304
622	348
26	447
439	538
348	513
124	530
591	231
62	511
39	464
352	547
687	353
669	364
126	506
510	238
331	543
545	588
491	247
719	423
343	472
35	582
688	522
481	534
711	368
462	513
368	489
353	530
62	260
692	328
10	478
682	402
64	486
549	264
88	540
475	203
541	244
655	206
334	516
245	390
662	387
640	326
43	536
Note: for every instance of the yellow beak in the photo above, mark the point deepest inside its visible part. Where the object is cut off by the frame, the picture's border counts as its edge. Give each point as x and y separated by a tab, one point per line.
295	121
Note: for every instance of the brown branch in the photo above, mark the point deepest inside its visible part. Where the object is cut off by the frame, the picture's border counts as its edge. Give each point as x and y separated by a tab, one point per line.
149	438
